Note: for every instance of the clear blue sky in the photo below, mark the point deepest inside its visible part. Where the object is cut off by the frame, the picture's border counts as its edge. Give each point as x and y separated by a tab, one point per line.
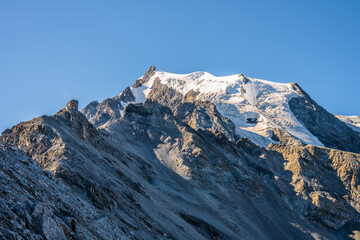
53	51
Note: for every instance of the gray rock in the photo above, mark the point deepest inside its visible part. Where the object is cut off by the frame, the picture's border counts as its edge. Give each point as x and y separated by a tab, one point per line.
44	222
286	138
204	115
164	95
145	78
332	132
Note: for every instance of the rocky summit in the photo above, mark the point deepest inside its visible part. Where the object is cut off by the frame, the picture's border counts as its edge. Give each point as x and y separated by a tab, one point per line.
184	156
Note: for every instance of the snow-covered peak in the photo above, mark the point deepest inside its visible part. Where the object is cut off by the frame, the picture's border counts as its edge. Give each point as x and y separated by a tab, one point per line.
255	106
202	82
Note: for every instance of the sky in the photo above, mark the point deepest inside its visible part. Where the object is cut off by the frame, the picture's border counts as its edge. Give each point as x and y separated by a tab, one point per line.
54	51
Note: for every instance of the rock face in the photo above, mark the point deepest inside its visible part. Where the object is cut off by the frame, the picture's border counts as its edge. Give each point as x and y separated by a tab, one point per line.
145	78
108	110
204	115
170	165
332	197
164	95
45	222
283	137
332	132
73	104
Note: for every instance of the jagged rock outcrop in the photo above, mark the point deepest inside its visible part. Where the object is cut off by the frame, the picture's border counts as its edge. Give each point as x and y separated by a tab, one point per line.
100	113
332	132
145	78
333	198
73	104
285	138
164	95
45	223
204	115
45	138
109	109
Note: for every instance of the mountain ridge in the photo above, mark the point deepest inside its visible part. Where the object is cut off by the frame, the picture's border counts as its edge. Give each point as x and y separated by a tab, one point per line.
157	163
255	100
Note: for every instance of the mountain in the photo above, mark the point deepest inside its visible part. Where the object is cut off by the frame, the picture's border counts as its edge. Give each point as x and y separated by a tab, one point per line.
184	156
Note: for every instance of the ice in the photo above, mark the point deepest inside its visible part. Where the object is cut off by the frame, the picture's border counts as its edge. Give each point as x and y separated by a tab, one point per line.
235	96
139	94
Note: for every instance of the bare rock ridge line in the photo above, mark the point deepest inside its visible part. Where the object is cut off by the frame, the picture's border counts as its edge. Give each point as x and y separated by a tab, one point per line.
109	109
332	132
145	78
176	157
